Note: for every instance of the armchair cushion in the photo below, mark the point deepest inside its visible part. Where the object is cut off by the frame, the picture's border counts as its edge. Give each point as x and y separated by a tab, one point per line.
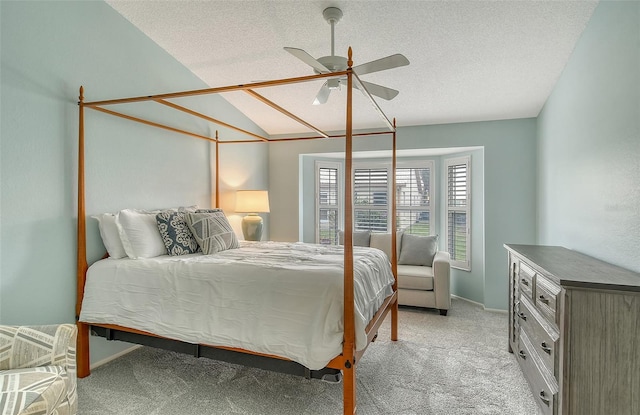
415	278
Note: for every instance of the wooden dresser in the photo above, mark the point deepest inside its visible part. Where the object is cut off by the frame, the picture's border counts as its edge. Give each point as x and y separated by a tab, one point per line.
574	327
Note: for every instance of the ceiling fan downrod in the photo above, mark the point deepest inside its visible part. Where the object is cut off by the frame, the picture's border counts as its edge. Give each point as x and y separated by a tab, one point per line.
332	15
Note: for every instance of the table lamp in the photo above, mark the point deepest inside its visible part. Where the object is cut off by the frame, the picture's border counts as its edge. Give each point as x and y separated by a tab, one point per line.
252	202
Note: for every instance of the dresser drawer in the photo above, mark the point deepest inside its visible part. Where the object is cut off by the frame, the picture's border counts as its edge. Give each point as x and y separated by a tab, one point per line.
542	335
525	280
543	387
546	297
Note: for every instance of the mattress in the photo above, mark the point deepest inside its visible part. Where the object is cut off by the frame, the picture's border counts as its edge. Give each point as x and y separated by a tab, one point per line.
283	299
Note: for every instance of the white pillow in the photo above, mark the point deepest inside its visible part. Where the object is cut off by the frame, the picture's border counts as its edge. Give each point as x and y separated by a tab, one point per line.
139	234
110	235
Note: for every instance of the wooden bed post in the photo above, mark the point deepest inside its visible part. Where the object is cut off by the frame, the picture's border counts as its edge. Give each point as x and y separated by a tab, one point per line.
82	346
348	348
217	171
394	239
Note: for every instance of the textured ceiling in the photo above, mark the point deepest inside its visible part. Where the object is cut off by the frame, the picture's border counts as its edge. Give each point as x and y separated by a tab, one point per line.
470	60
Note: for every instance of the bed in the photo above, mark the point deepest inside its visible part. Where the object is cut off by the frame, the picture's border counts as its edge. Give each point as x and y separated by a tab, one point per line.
276	298
286	306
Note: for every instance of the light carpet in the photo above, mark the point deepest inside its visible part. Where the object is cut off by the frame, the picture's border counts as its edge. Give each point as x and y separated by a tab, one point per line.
458	364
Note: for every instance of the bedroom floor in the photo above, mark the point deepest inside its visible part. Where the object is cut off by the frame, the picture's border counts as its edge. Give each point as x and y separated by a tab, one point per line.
450	365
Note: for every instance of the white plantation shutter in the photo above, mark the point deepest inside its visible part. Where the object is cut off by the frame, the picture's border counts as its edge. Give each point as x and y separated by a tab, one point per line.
327	203
413	190
370	199
458	212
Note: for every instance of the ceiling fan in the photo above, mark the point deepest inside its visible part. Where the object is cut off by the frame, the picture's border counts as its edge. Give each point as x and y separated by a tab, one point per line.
335	63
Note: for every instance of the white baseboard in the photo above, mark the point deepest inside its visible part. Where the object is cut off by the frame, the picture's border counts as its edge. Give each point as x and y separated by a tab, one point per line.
492	310
114	357
496	310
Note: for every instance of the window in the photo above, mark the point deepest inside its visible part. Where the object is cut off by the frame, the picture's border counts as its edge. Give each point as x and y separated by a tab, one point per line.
458	216
370	199
327	202
371	192
413	199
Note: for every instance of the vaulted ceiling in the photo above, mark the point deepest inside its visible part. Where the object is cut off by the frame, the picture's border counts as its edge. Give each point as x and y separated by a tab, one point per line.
470	60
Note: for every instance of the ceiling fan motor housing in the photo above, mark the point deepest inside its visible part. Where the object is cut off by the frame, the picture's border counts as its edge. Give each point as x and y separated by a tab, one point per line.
334	63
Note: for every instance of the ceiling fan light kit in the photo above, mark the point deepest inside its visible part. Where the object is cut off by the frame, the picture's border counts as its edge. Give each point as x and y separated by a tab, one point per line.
333	63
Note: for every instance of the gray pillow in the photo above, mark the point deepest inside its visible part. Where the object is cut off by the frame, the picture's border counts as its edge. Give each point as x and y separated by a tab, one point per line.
360	238
418	250
212	231
175	233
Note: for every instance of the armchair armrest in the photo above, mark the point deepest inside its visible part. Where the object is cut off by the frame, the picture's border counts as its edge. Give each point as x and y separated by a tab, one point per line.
442	279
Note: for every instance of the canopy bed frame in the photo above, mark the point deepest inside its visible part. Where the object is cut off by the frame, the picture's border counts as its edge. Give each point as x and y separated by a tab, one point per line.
347	360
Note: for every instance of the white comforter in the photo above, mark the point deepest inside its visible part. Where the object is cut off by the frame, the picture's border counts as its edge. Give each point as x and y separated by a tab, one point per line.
284	299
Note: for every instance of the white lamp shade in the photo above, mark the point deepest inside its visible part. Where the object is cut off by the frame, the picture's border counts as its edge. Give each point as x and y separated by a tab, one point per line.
252	201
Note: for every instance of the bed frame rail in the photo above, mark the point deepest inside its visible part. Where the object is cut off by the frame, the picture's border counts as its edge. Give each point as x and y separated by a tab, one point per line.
217	353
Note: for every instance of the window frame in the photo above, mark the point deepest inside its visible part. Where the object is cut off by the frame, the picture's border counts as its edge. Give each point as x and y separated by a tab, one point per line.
466	209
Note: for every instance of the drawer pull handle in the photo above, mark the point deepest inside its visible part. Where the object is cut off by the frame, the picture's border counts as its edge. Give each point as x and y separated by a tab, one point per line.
545	347
524	282
522	354
522	316
543	299
544	398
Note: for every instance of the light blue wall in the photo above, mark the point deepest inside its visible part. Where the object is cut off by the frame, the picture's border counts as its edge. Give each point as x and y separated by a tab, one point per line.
509	201
509	191
589	143
48	50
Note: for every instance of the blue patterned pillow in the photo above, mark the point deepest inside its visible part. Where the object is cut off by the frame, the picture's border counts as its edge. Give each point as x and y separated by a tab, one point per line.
175	233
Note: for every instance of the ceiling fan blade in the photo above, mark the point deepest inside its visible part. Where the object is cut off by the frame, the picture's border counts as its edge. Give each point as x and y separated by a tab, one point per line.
382	64
308	59
323	95
380	91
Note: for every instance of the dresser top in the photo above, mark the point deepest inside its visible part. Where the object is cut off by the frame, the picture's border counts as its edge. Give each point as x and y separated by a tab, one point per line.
571	268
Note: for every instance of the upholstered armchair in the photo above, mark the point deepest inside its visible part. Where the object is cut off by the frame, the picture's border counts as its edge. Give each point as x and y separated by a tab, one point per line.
424	278
38	370
424	272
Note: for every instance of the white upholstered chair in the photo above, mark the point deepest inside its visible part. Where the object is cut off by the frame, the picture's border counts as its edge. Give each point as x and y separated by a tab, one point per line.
424	273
